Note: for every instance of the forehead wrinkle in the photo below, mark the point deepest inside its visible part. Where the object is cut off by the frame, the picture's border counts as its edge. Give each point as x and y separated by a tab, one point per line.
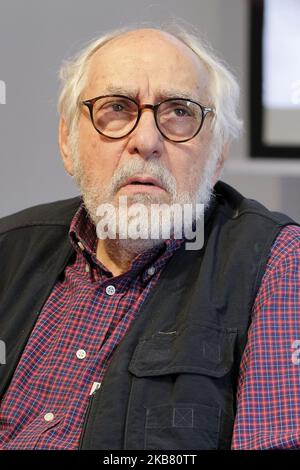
160	94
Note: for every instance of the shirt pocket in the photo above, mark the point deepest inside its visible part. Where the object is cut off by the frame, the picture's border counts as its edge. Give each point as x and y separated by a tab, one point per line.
182	382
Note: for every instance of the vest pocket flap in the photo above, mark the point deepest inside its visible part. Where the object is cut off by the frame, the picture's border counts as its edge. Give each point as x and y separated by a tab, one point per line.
202	349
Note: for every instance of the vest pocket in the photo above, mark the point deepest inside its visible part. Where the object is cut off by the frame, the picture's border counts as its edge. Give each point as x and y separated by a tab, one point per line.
188	426
182	390
196	349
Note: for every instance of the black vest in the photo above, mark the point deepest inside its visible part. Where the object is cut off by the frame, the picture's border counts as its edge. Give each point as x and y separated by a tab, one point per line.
171	383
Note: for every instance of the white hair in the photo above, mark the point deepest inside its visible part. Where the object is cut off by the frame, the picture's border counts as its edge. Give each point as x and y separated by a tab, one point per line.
224	87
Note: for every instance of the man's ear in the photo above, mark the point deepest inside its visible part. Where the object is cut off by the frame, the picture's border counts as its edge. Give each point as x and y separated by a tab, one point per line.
64	145
221	161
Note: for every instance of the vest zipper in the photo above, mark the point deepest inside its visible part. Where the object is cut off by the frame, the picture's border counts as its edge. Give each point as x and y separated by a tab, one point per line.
87	414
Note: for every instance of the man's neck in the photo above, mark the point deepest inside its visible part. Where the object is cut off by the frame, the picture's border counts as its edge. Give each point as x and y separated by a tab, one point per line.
117	255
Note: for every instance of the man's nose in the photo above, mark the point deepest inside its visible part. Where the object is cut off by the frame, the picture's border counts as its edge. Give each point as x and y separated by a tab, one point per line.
146	140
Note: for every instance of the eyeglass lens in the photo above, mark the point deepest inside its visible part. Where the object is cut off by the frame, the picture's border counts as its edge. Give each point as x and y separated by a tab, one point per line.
177	119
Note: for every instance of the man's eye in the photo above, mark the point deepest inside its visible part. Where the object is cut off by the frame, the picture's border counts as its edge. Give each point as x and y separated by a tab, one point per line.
181	112
117	107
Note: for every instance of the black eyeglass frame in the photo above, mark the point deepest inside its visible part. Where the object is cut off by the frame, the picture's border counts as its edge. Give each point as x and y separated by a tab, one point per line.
204	110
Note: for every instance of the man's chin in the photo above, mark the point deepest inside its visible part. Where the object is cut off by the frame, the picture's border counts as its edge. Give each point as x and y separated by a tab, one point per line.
134	246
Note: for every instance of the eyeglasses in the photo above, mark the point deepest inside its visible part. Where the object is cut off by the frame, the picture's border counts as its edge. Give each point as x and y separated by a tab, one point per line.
177	119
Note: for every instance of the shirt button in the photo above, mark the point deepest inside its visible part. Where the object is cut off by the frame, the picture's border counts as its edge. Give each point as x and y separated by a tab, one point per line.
49	417
81	354
110	290
87	268
80	246
151	271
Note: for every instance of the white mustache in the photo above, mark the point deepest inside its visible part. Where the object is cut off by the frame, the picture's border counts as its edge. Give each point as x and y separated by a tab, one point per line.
151	169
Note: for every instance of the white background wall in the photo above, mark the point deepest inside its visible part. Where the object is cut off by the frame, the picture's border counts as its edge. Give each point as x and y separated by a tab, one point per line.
36	35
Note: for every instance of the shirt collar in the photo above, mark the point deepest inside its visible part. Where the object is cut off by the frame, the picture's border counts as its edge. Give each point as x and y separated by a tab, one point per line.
82	232
83	237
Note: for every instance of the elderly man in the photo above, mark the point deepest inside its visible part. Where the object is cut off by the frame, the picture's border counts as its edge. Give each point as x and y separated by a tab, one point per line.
139	343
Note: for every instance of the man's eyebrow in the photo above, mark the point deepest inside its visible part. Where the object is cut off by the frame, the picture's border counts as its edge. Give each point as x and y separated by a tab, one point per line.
162	94
119	90
175	93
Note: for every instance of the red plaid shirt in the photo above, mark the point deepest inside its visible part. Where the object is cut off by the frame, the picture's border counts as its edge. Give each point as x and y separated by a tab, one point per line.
87	315
268	399
81	324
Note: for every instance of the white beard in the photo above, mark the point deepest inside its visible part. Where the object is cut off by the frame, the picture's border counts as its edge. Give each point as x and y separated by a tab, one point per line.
93	195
